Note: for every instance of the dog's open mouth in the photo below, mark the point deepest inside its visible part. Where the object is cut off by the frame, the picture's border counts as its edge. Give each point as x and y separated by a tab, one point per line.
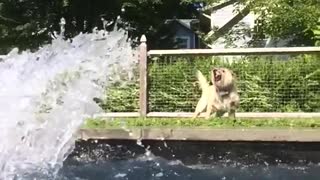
217	77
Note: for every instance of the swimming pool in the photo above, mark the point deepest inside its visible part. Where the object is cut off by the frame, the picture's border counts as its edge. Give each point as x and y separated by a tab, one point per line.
122	159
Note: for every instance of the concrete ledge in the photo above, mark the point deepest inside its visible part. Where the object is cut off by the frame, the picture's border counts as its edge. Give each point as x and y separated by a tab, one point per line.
204	134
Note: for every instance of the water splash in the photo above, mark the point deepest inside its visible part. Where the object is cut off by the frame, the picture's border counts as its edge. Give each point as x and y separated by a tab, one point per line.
46	95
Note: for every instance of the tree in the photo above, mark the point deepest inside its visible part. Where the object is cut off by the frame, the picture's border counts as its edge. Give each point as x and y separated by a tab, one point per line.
37	19
26	23
294	19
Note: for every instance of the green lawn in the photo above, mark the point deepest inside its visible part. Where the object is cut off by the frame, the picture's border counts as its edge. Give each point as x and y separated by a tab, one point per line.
213	123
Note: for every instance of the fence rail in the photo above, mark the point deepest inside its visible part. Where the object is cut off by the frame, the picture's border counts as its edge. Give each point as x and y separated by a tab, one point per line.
257	115
236	51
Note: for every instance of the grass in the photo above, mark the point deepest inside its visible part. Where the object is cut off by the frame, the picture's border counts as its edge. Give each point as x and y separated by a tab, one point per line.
213	123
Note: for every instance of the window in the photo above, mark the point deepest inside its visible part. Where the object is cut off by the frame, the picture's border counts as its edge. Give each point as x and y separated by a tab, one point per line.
183	42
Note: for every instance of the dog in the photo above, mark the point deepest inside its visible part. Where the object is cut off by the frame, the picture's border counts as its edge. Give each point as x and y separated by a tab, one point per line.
221	96
209	99
225	81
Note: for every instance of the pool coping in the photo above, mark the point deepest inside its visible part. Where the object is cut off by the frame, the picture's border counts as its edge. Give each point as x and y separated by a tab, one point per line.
204	134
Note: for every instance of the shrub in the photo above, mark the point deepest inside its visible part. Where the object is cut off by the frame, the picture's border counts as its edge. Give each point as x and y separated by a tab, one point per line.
266	84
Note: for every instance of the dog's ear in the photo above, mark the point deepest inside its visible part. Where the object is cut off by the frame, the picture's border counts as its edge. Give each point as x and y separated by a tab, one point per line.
212	75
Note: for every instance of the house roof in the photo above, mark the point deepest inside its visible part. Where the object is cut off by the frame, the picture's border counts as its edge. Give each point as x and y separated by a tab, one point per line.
184	22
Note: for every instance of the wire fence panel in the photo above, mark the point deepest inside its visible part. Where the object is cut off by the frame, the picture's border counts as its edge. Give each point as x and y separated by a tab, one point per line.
172	86
122	94
265	83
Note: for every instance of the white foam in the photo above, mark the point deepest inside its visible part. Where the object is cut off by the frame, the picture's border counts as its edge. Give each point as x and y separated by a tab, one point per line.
46	95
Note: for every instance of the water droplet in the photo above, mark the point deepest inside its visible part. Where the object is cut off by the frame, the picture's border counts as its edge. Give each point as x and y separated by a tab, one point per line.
120	175
160	174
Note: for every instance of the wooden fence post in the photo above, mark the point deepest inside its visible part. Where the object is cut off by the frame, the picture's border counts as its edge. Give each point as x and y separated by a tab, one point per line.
143	66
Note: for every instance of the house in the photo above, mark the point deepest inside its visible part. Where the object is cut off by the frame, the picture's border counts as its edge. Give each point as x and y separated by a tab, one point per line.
184	33
225	27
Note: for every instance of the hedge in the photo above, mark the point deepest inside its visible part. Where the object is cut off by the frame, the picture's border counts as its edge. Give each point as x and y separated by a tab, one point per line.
265	83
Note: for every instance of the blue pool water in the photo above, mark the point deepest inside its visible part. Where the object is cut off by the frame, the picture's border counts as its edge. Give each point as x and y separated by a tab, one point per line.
173	160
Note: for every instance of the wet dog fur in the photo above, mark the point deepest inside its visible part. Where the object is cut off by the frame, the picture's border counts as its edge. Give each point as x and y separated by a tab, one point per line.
220	97
225	81
210	99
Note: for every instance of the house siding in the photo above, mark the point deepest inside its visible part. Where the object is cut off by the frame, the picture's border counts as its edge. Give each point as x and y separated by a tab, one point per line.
182	31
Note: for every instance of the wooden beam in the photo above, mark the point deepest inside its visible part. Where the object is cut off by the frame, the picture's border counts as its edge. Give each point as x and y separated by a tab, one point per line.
240	115
116	115
236	51
226	28
189	115
143	98
204	134
205	15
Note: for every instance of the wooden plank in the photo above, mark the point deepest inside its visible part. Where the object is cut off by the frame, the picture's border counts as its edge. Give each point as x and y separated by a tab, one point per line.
230	24
204	134
143	98
236	51
116	115
189	115
240	115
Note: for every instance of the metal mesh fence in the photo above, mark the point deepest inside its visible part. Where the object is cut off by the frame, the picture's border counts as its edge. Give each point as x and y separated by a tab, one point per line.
122	93
265	83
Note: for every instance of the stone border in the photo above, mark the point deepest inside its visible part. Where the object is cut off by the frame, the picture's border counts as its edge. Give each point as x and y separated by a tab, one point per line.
204	134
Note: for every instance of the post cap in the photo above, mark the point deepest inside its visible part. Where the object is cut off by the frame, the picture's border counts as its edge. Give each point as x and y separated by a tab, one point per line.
143	39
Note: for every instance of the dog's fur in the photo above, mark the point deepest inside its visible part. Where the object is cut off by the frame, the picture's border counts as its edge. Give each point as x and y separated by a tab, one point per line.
225	81
210	98
221	96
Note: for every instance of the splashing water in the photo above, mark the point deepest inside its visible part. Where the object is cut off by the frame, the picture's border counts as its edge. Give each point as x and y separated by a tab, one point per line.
45	97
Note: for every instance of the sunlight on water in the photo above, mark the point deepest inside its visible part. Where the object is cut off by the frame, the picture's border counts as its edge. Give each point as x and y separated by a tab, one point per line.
46	95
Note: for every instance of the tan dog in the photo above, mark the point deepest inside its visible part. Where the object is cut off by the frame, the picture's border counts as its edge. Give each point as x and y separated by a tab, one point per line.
220	97
225	82
210	98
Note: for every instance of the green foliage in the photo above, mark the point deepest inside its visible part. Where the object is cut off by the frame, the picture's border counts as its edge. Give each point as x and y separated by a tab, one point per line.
266	84
25	24
29	24
169	82
122	99
316	32
188	122
294	19
283	16
288	19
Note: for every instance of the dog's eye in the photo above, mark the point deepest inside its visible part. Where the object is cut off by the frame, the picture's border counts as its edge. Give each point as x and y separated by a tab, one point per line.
223	71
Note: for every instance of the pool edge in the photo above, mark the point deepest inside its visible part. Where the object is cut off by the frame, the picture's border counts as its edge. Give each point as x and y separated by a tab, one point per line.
204	134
